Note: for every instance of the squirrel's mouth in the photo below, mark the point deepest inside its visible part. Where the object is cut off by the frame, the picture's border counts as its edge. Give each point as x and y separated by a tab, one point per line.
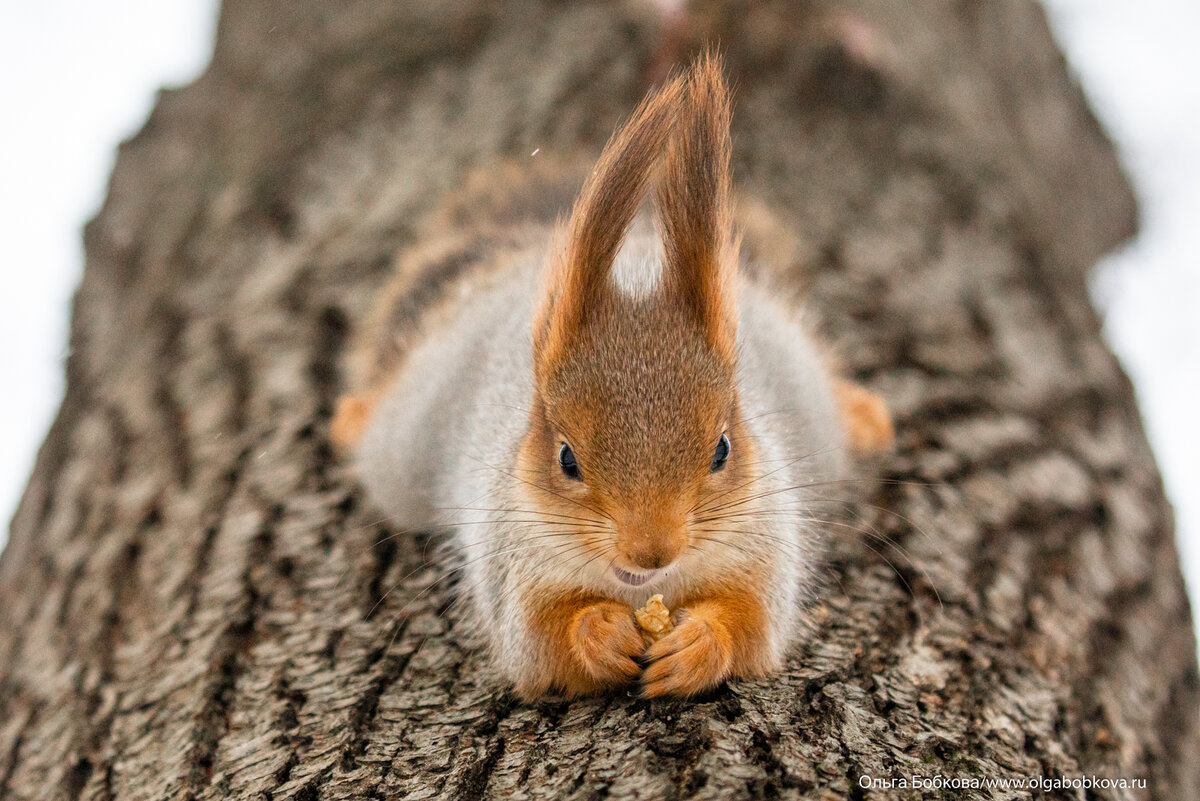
634	579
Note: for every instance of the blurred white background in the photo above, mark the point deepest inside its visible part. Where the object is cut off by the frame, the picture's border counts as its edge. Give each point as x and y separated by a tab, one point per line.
78	76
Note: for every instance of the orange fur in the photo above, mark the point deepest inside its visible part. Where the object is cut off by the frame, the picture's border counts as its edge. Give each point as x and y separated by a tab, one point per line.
606	206
695	209
865	415
642	472
351	417
722	635
589	644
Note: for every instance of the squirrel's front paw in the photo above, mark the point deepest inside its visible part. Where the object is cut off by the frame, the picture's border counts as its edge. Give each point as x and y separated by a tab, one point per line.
607	642
696	656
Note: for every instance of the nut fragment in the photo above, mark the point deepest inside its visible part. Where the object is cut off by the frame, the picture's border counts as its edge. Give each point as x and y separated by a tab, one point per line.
654	618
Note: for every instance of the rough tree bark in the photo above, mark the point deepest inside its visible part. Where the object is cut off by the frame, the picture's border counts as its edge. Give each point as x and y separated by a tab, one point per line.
195	602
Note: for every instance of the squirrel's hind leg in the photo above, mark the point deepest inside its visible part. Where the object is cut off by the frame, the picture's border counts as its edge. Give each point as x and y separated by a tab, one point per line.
866	418
351	417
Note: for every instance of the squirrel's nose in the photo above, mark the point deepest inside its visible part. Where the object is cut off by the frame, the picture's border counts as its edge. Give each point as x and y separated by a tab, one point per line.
650	541
652	552
651	560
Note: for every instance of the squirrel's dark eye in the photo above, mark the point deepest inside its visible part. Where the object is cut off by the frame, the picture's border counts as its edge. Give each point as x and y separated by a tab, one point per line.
566	460
721	455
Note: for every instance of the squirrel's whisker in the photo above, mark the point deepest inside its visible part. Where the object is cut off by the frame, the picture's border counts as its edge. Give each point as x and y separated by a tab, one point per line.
707	506
523	511
459	567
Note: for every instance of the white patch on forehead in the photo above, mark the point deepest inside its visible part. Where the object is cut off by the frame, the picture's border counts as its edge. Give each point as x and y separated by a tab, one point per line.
637	269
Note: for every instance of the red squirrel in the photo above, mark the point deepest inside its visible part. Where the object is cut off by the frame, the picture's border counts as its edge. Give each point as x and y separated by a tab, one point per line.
606	408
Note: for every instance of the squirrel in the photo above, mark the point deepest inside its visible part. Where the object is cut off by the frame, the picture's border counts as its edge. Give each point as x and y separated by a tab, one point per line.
619	408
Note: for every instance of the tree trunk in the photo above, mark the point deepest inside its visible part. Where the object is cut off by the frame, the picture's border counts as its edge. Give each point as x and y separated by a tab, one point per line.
196	603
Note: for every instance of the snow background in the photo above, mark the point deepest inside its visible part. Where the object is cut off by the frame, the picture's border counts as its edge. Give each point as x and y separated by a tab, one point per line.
77	77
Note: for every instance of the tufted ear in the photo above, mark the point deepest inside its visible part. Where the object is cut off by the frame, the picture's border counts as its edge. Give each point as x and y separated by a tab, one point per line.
584	252
695	208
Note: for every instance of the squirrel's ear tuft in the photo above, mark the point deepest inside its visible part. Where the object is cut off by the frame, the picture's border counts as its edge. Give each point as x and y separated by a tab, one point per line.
584	251
695	208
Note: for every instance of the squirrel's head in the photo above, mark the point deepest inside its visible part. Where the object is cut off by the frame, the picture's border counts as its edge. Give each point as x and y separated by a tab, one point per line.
636	426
